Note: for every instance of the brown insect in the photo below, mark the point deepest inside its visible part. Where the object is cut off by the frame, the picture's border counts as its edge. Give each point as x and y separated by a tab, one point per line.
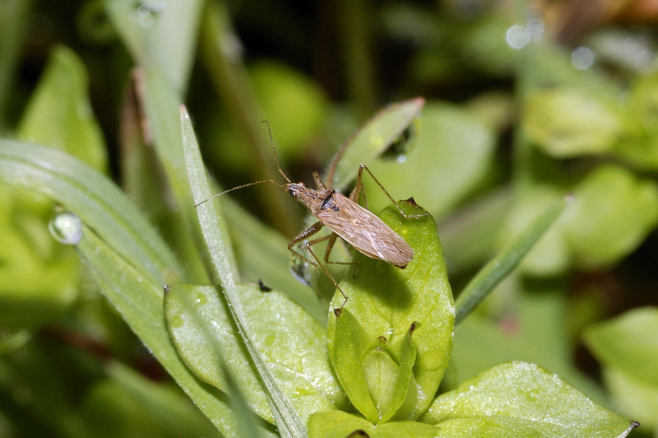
346	218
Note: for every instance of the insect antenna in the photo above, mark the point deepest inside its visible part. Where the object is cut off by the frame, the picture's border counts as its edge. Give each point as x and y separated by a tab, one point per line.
276	158
278	165
240	187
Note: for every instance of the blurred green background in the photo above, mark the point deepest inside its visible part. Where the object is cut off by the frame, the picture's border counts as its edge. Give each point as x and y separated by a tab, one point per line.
525	102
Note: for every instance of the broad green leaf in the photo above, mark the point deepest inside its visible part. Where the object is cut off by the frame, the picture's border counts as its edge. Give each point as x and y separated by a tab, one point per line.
128	404
212	222
612	213
206	338
567	122
202	329
59	113
370	141
386	301
519	399
339	424
501	265
532	329
160	35
95	199
139	300
451	154
624	343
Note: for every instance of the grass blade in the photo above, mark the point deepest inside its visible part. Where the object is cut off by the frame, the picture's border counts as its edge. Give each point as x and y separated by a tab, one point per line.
501	265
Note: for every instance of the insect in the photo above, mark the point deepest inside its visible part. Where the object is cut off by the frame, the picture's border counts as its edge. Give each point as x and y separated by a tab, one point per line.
346	218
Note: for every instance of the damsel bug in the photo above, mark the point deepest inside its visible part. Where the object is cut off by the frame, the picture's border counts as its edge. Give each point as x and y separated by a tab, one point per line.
346	218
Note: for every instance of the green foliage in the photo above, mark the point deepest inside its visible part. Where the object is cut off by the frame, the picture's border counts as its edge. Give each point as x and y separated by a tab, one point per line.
150	310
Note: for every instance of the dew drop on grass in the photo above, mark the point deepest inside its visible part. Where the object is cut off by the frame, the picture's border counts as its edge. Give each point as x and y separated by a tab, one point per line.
66	228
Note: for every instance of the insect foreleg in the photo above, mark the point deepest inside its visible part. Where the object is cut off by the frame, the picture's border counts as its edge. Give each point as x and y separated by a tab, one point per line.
360	184
304	235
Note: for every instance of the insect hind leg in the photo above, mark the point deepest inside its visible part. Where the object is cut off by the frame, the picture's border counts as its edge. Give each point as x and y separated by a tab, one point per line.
330	245
359	186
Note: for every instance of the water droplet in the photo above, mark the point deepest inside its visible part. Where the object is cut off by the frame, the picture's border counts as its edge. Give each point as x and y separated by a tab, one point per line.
201	299
582	58
517	36
147	12
66	227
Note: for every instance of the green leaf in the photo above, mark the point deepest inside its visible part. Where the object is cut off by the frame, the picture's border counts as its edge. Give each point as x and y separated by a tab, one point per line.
95	199
338	424
205	336
287	419
521	399
449	158
59	112
370	141
139	300
161	106
501	265
612	213
568	122
206	339
532	328
386	301
160	35
623	343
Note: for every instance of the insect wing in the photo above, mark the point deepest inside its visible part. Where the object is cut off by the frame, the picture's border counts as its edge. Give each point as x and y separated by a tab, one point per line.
366	232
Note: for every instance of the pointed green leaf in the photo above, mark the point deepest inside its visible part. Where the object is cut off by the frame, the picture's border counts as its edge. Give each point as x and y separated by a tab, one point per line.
371	140
59	113
405	380
349	342
522	399
451	154
387	300
203	331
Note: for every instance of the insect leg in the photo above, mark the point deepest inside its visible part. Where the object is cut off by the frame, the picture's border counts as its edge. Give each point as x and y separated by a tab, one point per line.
330	246
360	184
304	235
324	268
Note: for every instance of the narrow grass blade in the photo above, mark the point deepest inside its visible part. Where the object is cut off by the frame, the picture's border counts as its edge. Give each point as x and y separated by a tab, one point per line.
501	265
95	199
212	223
